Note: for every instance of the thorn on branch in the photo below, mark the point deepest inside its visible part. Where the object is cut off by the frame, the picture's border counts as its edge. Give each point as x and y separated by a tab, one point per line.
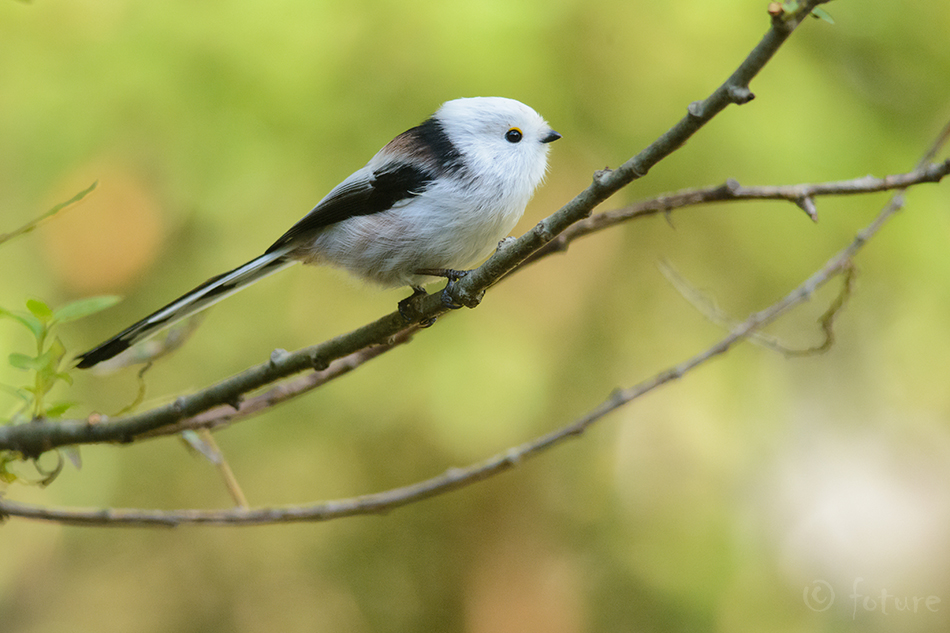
740	95
235	402
807	204
668	216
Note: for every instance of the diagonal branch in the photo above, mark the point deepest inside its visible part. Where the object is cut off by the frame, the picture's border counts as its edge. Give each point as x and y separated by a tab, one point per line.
31	440
456	478
223	416
735	90
708	308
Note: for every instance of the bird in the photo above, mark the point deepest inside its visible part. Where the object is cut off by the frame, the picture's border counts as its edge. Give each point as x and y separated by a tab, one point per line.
434	200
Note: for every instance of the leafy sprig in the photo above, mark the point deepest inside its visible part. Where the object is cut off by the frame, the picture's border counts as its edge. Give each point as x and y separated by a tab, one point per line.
49	367
47	362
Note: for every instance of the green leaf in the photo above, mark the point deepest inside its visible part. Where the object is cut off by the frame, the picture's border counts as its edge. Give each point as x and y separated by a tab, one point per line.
6	476
22	394
56	351
45	364
84	307
65	378
821	14
29	363
28	321
40	310
58	409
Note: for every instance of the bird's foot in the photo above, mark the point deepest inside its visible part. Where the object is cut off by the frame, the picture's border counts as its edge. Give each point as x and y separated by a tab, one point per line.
452	297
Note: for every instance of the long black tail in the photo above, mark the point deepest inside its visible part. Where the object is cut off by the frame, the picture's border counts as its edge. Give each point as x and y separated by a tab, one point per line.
207	294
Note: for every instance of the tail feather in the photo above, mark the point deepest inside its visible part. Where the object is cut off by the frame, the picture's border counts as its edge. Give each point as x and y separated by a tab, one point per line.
205	295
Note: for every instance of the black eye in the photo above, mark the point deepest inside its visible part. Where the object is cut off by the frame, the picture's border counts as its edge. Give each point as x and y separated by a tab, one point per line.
513	135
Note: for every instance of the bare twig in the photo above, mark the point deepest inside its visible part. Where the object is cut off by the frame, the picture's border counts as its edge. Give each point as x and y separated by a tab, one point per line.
223	416
33	224
732	191
203	441
708	308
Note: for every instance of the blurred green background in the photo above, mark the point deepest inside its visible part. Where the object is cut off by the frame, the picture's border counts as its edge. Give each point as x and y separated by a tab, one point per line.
734	500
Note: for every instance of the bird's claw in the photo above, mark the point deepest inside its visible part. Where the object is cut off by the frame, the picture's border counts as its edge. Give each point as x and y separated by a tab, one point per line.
450	295
450	292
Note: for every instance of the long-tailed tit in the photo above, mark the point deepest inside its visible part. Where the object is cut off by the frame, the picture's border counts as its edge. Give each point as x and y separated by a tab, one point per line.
436	199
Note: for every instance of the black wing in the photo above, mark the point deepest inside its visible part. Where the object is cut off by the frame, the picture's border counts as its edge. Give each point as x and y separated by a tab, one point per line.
431	153
387	187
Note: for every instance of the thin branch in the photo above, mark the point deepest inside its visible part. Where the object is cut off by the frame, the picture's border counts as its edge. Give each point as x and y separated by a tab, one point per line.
203	442
36	222
732	191
735	90
31	440
708	308
223	416
456	478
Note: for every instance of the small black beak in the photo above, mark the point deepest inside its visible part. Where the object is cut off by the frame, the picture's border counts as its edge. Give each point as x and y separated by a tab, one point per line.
550	137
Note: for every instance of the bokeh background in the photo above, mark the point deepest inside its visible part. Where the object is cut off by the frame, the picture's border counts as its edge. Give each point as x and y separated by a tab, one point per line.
759	493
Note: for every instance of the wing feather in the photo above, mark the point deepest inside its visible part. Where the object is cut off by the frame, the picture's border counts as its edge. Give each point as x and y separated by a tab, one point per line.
359	196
